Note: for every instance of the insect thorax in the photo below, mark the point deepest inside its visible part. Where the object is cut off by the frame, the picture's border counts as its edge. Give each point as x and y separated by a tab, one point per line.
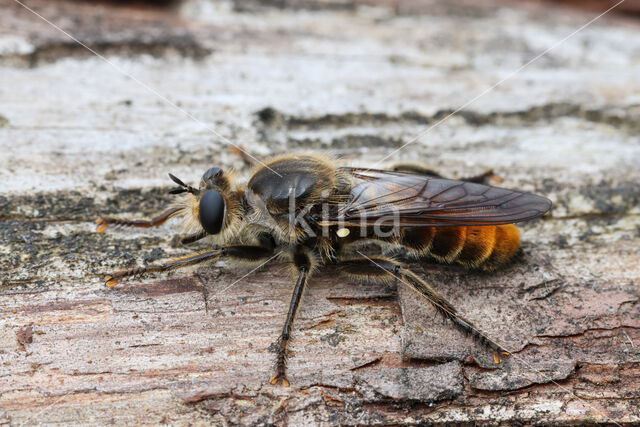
291	191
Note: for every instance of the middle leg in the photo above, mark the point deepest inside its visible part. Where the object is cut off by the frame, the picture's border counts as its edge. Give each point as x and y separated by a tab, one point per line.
303	265
264	249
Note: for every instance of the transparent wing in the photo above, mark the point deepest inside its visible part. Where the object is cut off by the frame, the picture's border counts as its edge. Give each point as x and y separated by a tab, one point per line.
419	200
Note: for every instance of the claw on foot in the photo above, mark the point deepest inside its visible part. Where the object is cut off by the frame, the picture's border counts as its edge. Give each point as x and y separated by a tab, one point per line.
498	357
101	225
493	176
110	282
276	379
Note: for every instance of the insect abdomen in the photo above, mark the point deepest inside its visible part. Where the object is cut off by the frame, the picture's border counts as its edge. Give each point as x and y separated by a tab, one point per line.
486	247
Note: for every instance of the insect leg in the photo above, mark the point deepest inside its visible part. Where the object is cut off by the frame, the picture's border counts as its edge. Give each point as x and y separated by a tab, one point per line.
241	152
302	264
263	250
417	168
112	279
104	221
385	270
193	237
483	178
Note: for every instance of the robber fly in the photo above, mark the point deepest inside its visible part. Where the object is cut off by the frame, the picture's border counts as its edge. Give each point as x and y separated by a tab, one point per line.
311	213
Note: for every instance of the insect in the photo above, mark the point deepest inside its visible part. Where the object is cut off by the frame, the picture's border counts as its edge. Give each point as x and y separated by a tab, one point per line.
307	211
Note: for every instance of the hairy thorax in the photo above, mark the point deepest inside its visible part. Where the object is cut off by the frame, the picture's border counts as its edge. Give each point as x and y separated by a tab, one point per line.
288	192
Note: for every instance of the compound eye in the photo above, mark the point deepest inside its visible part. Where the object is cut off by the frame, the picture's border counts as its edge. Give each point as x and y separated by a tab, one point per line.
211	173
211	211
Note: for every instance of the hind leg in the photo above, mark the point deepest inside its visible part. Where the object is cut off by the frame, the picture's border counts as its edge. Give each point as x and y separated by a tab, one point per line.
420	169
381	269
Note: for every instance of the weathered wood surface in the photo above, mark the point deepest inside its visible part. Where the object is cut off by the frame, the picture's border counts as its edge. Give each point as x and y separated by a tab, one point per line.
79	139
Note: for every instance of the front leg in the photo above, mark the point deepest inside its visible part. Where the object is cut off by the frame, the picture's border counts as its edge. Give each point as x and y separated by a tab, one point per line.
104	221
263	250
302	264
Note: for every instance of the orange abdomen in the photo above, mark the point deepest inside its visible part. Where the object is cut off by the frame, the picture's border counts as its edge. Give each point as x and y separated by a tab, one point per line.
486	247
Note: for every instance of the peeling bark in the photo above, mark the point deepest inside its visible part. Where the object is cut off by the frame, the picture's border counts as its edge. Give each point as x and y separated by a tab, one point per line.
360	82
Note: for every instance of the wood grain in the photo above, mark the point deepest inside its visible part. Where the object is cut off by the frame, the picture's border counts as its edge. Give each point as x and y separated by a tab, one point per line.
80	139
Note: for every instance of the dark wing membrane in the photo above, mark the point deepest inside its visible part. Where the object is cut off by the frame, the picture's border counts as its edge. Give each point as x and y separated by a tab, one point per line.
418	200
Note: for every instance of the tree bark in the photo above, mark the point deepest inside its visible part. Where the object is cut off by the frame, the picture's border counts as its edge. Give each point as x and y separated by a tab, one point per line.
84	136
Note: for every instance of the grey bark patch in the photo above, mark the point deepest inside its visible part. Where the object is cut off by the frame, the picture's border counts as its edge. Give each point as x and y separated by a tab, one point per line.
427	385
626	119
109	32
180	45
79	205
522	373
48	206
